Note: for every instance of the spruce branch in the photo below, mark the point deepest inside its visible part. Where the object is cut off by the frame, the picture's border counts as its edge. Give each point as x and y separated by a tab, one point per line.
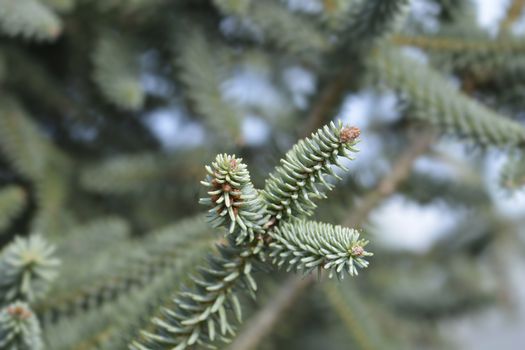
21	141
158	252
27	267
430	96
19	328
199	316
233	200
291	189
263	322
30	19
371	20
203	75
12	200
445	44
117	73
308	245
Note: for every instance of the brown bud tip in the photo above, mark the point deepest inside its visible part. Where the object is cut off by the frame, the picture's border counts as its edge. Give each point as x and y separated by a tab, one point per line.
357	250
19	312
349	134
226	187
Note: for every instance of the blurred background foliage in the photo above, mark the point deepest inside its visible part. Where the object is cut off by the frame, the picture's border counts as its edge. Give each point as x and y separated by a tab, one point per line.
109	110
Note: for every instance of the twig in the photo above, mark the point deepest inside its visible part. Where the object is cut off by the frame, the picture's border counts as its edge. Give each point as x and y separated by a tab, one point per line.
262	323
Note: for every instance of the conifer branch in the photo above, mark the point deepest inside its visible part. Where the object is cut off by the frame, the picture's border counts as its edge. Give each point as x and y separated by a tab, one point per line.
21	141
263	322
443	44
309	245
371	20
12	200
19	328
233	200
29	19
203	75
292	187
27	267
430	96
117	73
159	251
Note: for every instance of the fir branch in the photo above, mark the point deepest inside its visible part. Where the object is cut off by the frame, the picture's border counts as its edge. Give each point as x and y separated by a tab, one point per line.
430	96
19	328
371	20
203	75
21	141
117	73
27	267
460	45
263	322
233	200
309	245
12	200
278	25
158	252
29	19
199	316
291	188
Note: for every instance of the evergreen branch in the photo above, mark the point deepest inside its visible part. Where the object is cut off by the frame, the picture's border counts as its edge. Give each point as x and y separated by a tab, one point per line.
27	267
371	20
160	251
291	188
277	24
21	141
12	200
117	73
203	75
443	44
309	245
263	322
430	95
29	19
289	31
513	172
19	328
233	200
199	316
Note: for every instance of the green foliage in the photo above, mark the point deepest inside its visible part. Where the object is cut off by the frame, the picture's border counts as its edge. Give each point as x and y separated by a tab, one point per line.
202	73
373	19
292	187
116	72
21	141
19	328
234	200
29	19
27	267
430	96
310	245
12	201
139	264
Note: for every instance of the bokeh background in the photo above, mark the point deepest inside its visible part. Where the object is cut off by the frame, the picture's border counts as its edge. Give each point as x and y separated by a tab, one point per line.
109	111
